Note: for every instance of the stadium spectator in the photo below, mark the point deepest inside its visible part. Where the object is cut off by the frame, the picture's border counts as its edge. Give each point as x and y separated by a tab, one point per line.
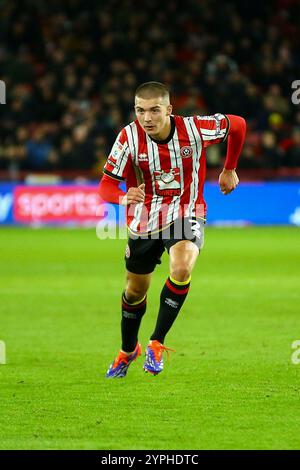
40	152
73	64
293	153
271	155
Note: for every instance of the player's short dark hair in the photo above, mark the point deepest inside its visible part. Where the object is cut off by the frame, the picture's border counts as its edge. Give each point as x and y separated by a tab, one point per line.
152	90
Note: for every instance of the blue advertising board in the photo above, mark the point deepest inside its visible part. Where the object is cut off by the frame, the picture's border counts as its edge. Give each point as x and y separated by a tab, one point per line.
259	203
6	203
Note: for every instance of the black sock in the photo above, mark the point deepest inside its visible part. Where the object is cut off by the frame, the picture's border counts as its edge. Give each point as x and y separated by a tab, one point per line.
131	319
171	300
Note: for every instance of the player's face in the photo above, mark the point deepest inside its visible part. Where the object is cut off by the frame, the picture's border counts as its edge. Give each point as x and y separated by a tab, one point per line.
153	115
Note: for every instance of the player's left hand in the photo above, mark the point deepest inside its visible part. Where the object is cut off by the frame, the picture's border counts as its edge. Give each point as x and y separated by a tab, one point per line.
228	181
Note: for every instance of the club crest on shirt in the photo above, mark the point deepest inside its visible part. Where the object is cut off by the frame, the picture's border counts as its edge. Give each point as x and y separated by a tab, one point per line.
186	152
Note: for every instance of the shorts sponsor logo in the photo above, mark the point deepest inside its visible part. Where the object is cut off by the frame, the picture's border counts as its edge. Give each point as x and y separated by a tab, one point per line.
186	152
127	252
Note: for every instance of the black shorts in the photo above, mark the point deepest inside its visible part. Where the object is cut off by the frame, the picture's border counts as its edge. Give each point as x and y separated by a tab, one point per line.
143	252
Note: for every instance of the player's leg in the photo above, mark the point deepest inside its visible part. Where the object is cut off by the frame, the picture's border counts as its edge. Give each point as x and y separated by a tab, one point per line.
141	258
137	286
134	304
183	255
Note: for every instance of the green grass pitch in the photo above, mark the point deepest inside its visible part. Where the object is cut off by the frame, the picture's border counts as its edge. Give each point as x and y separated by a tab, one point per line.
230	385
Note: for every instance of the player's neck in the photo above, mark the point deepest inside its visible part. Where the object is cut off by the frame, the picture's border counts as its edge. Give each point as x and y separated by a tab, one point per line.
164	134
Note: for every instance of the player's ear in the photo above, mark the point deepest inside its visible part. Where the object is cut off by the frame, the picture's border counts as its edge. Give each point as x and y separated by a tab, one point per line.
169	109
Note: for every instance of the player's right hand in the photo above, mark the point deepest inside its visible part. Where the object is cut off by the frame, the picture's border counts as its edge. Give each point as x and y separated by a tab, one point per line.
134	195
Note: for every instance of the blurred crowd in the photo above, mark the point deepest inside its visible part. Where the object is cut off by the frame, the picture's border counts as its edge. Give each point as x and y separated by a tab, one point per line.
71	69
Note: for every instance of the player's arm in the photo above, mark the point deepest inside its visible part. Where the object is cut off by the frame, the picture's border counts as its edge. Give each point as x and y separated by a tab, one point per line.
109	191
217	128
117	168
228	179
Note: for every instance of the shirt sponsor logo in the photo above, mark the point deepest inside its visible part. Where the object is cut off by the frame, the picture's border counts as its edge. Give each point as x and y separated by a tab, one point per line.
143	157
167	182
186	152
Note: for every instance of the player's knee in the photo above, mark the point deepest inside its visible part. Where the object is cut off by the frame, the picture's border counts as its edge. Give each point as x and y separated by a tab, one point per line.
135	293
180	273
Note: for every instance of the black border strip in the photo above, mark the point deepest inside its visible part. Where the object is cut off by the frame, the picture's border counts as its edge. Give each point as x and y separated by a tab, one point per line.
108	173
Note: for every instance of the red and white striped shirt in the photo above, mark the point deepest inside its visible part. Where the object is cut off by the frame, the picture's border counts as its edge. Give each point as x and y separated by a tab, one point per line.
173	170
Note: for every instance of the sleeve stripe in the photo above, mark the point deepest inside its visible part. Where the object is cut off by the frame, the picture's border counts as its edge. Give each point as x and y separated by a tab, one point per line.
124	159
213	137
213	132
228	128
205	131
115	177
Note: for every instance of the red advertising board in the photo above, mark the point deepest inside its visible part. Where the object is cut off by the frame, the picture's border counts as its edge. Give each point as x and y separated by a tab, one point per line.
57	204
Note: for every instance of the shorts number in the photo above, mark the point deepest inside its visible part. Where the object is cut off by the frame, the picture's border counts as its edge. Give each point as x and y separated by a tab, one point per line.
195	227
